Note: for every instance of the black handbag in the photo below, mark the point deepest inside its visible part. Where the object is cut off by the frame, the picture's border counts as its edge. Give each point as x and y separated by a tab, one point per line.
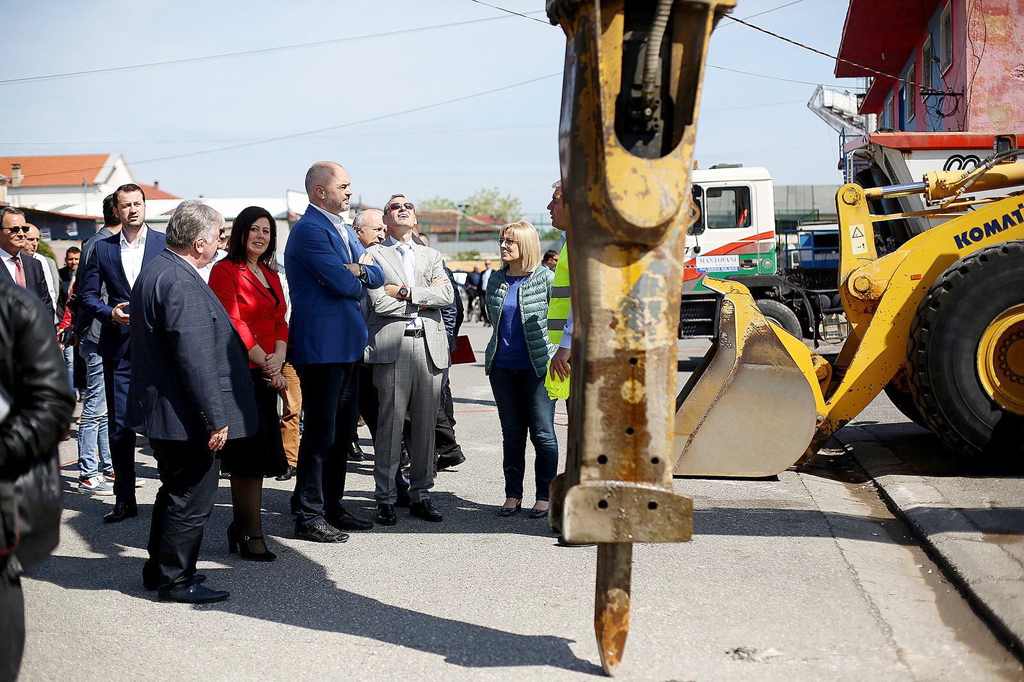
30	510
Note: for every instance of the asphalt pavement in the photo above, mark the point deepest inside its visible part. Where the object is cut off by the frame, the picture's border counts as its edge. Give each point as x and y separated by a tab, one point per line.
807	576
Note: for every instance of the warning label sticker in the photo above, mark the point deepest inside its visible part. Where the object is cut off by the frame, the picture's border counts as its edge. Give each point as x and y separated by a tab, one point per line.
858	242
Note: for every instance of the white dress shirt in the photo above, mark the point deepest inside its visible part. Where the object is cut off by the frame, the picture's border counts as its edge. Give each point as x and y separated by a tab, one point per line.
11	267
408	258
338	223
131	255
48	276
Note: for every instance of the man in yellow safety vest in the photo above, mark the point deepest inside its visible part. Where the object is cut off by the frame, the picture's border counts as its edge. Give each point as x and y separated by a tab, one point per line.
560	307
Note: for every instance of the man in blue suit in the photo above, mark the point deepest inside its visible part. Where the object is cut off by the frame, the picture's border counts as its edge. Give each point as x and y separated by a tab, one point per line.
114	265
328	270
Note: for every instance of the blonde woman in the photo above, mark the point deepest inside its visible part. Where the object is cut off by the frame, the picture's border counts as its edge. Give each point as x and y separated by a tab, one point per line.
516	361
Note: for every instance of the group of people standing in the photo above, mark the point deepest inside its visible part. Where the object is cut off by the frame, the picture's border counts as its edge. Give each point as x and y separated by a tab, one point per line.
363	324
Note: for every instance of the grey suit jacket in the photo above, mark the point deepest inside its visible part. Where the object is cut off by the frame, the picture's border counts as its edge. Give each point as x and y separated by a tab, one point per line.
389	317
190	369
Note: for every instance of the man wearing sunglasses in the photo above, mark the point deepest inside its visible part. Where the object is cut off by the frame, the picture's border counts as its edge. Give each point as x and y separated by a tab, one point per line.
408	349
23	270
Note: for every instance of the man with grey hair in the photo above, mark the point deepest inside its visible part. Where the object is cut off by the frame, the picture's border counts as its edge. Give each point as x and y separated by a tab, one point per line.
190	392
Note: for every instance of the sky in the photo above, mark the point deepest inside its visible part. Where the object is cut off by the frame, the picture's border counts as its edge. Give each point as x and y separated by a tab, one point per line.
353	87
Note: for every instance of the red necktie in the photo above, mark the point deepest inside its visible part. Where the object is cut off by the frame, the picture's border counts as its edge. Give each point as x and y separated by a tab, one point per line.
19	272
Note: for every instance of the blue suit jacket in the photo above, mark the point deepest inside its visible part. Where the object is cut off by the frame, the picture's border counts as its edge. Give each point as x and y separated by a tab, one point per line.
326	325
104	267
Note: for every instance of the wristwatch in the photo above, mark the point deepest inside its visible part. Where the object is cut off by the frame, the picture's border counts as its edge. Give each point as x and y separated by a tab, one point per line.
403	293
362	273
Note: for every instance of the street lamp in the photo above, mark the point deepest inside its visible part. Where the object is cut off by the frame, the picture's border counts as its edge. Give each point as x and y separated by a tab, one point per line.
458	225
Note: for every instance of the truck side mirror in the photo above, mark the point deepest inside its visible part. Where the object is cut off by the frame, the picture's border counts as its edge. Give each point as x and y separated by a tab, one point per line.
701	222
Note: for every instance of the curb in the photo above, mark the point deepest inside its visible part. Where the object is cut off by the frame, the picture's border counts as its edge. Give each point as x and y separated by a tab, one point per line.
991	578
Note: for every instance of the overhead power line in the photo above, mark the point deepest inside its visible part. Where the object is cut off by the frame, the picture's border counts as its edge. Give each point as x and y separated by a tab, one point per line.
243	53
291	136
824	54
760	75
713	66
518	14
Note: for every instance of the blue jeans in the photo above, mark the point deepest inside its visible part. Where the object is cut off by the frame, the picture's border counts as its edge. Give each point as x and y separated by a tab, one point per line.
524	405
92	427
69	360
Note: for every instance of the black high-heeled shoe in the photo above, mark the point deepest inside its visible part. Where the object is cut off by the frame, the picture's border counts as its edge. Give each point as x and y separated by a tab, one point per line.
239	544
539	513
506	512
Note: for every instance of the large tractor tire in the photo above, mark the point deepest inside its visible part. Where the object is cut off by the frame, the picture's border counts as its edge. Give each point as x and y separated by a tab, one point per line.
781	315
965	357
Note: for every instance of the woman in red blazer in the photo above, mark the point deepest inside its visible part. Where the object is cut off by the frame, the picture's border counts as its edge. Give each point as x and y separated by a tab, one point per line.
246	282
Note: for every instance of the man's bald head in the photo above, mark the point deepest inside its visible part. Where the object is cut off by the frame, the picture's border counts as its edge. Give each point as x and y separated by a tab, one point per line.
328	186
31	240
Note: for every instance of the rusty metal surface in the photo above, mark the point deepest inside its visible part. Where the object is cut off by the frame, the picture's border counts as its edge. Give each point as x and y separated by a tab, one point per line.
629	205
611	602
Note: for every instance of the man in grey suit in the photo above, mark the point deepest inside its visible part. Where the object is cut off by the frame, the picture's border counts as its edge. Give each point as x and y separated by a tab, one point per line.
407	348
190	392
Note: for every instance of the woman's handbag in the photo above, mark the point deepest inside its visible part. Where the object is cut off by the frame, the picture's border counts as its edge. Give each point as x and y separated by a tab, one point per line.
30	509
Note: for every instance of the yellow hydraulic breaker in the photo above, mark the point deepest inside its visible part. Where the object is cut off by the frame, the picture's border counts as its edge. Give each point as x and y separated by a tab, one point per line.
630	96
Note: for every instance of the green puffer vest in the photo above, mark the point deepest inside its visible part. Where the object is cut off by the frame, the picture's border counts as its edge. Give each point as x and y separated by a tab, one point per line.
534	295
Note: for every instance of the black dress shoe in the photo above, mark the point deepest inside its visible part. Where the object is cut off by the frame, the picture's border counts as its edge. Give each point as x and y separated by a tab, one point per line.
449	461
320	532
386	515
194	594
287	475
346	520
121	511
355	453
424	510
403	499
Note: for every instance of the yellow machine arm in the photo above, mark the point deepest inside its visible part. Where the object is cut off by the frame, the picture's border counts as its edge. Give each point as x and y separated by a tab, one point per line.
629	110
762	400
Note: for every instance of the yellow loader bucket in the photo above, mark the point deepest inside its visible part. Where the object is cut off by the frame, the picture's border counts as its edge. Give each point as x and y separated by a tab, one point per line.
750	408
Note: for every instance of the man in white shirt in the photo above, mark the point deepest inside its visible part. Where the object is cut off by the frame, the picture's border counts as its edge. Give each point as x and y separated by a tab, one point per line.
113	265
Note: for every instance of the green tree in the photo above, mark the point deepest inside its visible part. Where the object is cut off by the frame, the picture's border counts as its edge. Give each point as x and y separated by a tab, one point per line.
492	202
437	203
486	201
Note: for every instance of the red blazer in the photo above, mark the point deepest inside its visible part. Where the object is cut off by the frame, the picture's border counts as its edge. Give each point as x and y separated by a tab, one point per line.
258	319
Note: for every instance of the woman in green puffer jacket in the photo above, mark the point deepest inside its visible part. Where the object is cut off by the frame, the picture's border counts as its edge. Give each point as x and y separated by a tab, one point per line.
516	362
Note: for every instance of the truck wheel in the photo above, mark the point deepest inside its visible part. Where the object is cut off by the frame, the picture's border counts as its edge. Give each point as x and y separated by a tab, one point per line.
781	315
965	357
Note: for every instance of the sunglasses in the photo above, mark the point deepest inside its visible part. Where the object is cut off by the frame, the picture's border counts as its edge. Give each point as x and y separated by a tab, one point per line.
506	242
407	206
14	230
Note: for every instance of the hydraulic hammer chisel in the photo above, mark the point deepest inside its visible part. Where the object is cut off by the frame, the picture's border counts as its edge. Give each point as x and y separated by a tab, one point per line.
632	83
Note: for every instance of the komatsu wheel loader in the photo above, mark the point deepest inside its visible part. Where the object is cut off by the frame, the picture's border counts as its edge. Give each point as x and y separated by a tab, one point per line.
938	324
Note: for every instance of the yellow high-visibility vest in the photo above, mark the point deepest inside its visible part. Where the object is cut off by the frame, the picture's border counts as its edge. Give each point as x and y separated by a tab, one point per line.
558	307
558	314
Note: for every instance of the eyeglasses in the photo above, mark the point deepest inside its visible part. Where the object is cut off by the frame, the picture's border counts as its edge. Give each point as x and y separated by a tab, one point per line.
14	230
407	206
506	242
